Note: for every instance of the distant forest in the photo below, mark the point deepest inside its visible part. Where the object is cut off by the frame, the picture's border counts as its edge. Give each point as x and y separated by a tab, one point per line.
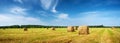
42	26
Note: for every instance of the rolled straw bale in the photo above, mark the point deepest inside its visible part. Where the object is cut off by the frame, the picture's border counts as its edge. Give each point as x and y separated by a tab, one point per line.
53	28
83	30
70	29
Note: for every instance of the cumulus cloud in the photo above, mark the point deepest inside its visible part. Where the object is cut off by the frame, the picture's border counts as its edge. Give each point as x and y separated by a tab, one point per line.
63	16
18	10
49	5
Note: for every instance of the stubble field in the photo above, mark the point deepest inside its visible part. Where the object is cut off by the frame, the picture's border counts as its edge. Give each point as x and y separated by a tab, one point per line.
60	35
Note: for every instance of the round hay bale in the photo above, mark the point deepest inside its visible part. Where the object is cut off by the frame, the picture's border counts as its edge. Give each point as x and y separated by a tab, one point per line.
113	28
53	28
25	29
70	29
83	30
47	28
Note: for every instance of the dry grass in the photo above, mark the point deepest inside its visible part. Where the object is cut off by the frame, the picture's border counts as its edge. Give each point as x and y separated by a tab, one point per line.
37	35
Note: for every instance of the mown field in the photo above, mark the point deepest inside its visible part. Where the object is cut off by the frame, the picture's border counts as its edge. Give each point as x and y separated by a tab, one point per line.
60	35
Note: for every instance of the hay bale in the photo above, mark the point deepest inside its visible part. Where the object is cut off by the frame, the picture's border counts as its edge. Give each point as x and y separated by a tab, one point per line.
70	29
83	30
75	27
47	28
113	28
25	29
53	28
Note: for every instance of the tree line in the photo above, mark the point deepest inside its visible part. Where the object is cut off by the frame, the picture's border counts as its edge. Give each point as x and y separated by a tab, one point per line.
42	26
31	26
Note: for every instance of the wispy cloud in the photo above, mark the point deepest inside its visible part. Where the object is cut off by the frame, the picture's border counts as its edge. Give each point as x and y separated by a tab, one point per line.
18	10
54	6
18	16
63	16
20	1
10	19
49	5
113	13
42	13
90	18
100	17
46	4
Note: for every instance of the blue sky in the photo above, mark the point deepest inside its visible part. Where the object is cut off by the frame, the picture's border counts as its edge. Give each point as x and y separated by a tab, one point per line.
60	12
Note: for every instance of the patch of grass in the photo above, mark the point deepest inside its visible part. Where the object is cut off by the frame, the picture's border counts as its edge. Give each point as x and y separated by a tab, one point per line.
110	32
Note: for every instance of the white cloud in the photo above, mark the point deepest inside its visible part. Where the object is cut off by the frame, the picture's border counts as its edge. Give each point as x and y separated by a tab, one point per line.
18	10
42	13
100	17
20	1
46	4
10	19
54	11
49	5
107	18
54	6
63	16
61	19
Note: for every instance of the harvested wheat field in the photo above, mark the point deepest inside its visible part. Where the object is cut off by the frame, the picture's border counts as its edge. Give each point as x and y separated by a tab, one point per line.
41	35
